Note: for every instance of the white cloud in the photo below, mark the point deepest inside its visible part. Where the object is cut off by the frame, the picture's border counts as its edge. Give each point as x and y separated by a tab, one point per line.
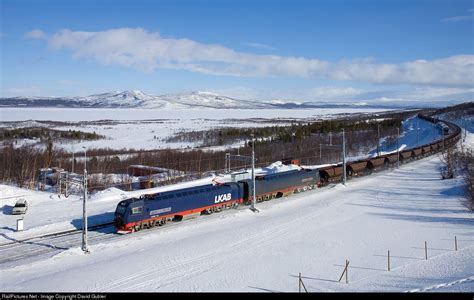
348	94
437	93
148	51
31	90
239	92
418	96
460	18
331	92
36	34
66	82
259	46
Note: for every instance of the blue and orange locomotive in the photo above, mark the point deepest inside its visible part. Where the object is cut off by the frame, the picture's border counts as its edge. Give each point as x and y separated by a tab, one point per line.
157	209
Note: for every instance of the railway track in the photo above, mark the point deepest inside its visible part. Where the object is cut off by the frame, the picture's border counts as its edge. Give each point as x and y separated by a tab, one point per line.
54	234
49	243
44	246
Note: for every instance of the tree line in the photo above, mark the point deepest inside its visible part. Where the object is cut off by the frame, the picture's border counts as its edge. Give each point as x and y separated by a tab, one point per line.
21	165
45	134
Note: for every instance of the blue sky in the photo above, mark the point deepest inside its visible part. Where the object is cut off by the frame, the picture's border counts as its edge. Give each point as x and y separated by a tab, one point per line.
305	50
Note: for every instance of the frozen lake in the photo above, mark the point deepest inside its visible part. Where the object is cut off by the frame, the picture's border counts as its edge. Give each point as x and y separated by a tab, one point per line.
149	128
91	114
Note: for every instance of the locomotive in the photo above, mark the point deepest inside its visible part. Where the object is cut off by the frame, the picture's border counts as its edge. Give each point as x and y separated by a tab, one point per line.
157	209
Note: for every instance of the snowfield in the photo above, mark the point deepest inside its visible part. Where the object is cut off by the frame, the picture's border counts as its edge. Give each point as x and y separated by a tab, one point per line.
312	233
149	128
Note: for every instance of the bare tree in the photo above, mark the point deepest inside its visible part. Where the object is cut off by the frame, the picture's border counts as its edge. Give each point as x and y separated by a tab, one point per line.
448	160
465	160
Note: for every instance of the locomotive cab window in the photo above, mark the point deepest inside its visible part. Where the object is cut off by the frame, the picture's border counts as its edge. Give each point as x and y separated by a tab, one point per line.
121	209
137	210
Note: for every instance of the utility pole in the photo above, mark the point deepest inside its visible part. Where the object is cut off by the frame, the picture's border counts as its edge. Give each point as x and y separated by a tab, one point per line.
84	212
442	133
398	147
67	179
343	157
378	141
59	183
45	172
252	207
417	131
72	171
227	163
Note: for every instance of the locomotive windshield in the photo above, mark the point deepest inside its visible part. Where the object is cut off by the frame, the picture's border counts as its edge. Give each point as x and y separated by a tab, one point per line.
121	209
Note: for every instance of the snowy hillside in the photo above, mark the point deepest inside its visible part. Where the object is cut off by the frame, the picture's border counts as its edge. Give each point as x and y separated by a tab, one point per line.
123	99
209	100
184	100
139	99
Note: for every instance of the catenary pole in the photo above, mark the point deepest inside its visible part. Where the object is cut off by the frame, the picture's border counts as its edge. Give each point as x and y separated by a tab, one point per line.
72	171
84	206
253	208
378	140
344	157
398	147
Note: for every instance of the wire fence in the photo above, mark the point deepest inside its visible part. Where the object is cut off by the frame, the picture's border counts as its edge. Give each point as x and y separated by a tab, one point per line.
389	264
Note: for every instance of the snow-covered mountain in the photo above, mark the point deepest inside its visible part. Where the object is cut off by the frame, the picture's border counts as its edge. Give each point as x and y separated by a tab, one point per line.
138	99
185	100
211	100
126	99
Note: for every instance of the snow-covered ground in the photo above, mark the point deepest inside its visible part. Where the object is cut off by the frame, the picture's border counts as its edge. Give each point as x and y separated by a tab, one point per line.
238	250
148	128
312	233
92	114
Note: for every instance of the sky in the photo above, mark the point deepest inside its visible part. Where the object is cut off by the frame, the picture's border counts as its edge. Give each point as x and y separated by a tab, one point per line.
325	51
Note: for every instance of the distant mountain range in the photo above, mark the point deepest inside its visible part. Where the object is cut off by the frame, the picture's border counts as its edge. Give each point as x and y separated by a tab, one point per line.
138	99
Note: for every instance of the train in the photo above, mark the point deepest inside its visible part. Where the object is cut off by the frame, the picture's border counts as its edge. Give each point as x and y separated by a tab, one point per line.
157	209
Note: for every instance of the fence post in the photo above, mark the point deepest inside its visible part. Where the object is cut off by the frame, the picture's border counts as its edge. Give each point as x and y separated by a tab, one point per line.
299	283
455	243
389	260
426	251
346	269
